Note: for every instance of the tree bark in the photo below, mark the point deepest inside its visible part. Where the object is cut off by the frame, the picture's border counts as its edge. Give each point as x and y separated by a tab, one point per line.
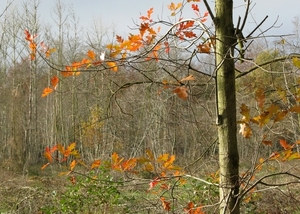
226	95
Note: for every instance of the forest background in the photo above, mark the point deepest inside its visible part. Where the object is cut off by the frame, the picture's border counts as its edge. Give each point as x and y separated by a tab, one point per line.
102	116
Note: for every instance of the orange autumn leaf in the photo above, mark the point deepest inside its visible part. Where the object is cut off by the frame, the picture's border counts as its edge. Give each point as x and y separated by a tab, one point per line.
119	39
188	78
267	142
173	7
285	145
48	153
245	130
181	92
115	158
91	54
28	36
73	179
265	117
116	161
186	25
280	115
169	162
72	165
164	186
49	52
274	156
166	204
113	66
189	207
143	28
47	91
44	166
195	7
204	18
148	17
48	156
95	164
189	34
129	164
204	48
54	81
153	183
191	210
295	108
32	47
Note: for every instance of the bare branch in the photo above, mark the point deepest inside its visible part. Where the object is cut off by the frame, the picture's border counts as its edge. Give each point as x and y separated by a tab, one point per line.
209	11
266	63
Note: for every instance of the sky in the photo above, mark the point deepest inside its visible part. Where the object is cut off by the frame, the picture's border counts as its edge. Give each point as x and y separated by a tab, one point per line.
121	14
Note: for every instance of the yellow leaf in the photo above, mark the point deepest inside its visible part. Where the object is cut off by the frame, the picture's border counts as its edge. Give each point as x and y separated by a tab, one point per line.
296	62
64	173
61	148
71	146
293	156
149	167
113	66
143	160
163	158
150	154
245	111
282	94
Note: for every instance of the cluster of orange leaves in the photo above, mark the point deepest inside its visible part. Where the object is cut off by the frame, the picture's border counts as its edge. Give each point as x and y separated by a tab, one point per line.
267	113
189	209
70	70
178	87
75	67
163	166
135	42
288	153
146	36
32	44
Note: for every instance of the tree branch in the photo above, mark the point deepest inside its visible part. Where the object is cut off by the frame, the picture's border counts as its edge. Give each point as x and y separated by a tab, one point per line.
266	63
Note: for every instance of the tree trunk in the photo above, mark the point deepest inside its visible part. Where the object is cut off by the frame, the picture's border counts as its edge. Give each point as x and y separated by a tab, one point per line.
226	95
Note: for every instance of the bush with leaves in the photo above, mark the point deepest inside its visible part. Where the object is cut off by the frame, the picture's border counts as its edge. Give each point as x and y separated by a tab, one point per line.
94	192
